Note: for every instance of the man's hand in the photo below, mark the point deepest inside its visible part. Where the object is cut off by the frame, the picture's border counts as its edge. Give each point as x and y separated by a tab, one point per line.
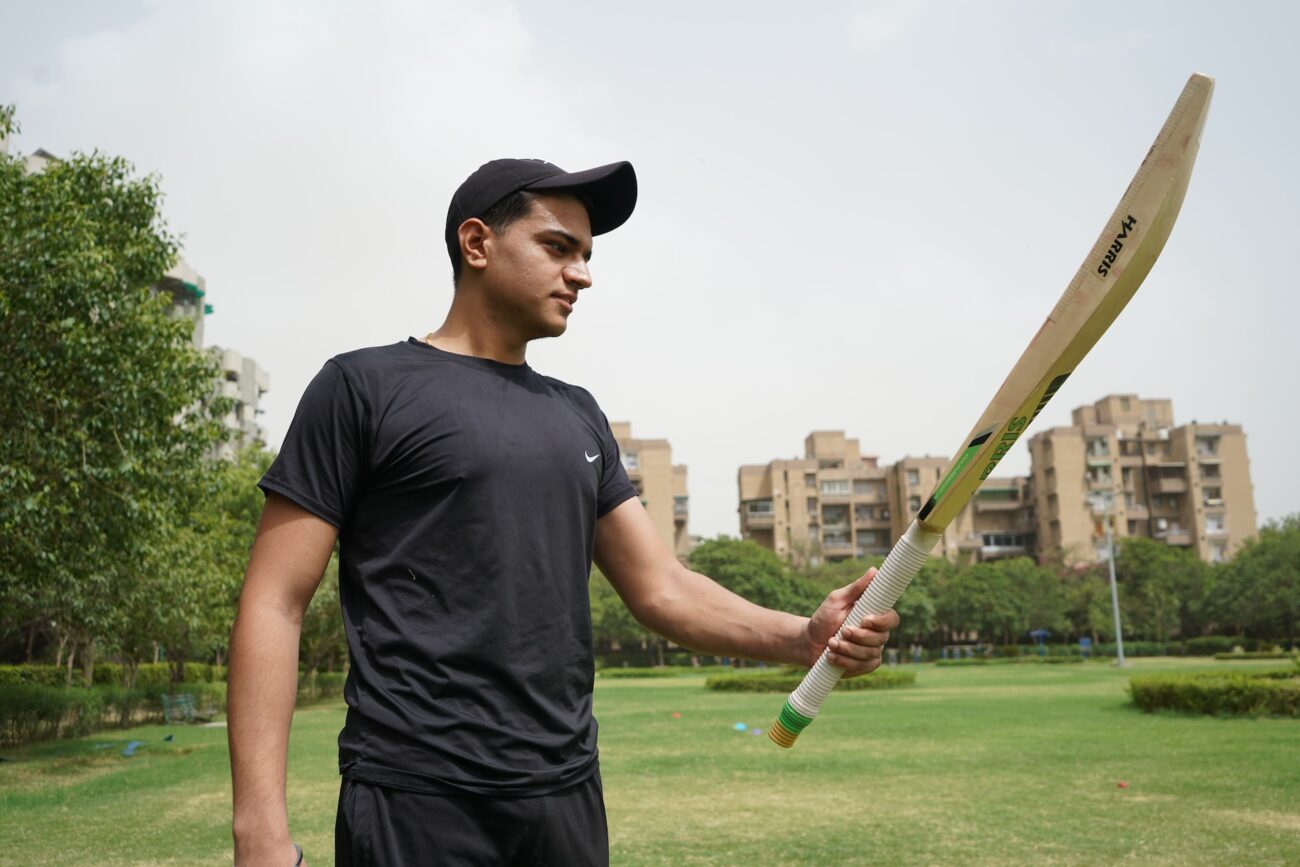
858	650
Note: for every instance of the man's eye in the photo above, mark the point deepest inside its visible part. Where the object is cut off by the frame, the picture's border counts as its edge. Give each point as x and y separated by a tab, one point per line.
556	246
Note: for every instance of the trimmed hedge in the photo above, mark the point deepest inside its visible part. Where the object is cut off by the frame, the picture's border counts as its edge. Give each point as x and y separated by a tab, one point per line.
1258	654
321	686
664	671
1013	660
1275	693
151	674
786	681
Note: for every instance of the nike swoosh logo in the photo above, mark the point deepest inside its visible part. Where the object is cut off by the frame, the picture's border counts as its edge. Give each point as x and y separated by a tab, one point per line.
590	458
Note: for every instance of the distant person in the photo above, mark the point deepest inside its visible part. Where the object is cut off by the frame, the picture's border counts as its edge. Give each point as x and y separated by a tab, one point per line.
468	493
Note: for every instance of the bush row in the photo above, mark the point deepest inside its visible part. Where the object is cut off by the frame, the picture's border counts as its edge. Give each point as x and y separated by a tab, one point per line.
664	671
320	686
785	681
1219	693
152	674
1012	660
1258	654
32	712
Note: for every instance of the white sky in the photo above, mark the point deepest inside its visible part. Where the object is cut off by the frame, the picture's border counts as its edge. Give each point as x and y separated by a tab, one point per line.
853	216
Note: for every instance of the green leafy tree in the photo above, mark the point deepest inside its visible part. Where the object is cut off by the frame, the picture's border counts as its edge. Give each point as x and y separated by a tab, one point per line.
323	644
1160	586
1259	589
104	410
752	571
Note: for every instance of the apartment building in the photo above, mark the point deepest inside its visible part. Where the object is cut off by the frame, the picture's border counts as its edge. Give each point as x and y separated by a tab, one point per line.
659	483
240	378
837	503
1123	457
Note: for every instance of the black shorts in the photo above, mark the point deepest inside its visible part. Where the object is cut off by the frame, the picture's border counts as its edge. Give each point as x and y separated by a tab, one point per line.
383	827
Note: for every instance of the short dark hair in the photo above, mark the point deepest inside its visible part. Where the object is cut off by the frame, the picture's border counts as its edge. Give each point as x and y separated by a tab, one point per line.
498	218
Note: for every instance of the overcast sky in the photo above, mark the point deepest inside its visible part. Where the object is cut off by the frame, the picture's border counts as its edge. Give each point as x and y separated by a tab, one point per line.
853	216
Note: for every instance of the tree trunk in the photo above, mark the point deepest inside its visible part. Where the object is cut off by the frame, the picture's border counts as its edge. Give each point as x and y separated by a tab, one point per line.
88	663
31	640
72	654
63	642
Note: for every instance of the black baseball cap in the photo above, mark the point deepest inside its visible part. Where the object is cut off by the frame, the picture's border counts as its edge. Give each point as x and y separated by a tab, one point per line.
608	191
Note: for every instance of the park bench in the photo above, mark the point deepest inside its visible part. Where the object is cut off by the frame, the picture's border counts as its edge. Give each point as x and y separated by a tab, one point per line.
181	707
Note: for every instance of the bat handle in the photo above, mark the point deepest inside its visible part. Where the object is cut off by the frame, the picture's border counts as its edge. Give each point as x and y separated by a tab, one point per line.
900	567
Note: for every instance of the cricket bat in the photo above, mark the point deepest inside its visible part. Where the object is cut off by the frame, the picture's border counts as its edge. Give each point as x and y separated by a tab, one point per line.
1116	265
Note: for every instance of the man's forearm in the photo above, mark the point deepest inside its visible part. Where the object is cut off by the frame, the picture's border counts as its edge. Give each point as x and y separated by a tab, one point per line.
698	613
263	686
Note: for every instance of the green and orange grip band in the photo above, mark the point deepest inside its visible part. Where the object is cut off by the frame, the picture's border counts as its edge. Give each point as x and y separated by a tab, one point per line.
788	725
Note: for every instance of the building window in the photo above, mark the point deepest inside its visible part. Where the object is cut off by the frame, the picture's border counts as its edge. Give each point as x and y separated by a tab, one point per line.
681	507
754	508
863	513
1100	475
1218	553
811	507
835	487
1098	447
861	487
914	477
914	503
1214	525
1207	446
631	461
810	480
884	514
1210	472
1213	495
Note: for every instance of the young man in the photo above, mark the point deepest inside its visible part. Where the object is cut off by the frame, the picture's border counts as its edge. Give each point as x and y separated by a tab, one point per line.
468	494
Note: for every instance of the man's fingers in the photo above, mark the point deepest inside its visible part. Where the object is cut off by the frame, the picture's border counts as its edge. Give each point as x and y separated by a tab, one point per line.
881	622
859	635
854	649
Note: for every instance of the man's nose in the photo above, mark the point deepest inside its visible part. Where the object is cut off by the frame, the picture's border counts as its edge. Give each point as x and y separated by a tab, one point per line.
578	275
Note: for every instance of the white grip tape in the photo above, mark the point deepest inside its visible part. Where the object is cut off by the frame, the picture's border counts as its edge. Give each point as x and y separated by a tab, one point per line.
900	567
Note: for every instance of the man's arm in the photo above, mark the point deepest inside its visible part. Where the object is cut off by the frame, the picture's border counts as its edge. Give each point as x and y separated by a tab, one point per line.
288	558
696	612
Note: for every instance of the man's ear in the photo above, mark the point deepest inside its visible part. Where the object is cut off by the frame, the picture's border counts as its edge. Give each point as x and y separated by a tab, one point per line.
473	235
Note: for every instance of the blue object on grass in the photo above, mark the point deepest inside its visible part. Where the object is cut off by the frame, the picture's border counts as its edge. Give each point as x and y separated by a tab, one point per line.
132	747
740	727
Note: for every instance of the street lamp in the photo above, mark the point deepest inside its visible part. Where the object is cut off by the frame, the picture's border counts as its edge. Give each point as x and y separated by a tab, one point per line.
1104	497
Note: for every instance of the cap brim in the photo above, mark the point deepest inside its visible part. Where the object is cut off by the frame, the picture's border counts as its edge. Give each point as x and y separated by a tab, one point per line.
609	190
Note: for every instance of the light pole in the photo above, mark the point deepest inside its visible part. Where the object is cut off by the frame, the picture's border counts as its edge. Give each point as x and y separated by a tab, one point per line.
1114	593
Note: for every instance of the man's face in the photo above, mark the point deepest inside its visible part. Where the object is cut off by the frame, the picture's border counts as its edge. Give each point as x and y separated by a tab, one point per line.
537	265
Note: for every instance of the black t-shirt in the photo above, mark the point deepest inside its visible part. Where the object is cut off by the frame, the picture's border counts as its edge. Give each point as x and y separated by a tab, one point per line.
466	493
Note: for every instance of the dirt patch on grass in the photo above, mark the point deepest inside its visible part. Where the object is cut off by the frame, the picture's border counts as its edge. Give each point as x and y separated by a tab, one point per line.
1264	819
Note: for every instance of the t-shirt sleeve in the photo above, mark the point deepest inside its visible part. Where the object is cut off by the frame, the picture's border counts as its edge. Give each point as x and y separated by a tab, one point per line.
615	487
323	457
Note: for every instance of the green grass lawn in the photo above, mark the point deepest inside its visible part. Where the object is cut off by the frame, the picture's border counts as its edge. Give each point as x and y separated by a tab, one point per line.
981	765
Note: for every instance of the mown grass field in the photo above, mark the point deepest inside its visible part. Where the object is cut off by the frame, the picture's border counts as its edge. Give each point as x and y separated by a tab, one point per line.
987	765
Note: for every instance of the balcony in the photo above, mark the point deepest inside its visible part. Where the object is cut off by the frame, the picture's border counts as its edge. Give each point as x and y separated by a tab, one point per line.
1176	536
1137	512
982	505
755	520
1167	485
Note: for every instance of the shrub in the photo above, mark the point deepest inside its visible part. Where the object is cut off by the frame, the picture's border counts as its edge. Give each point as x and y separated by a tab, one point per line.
1256	654
1219	693
40	675
30	712
1134	648
786	681
320	686
664	671
1209	645
1013	660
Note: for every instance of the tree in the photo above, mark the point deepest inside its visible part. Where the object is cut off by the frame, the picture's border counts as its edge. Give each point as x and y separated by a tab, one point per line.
613	627
104	409
752	571
1259	589
1160	586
